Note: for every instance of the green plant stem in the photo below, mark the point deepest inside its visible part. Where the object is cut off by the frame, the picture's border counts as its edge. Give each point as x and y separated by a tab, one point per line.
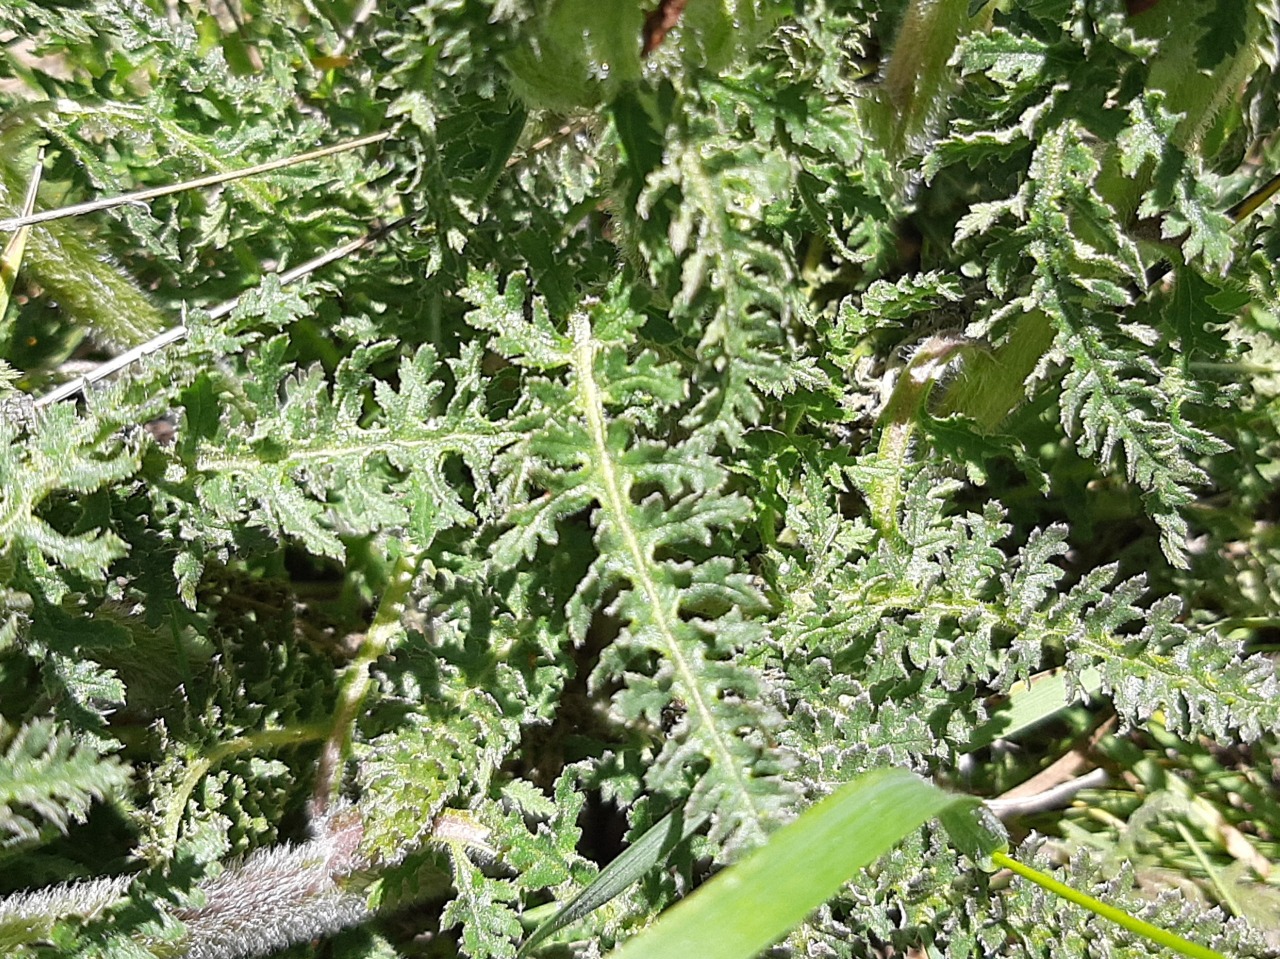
356	681
1223	889
250	742
917	77
899	420
1097	907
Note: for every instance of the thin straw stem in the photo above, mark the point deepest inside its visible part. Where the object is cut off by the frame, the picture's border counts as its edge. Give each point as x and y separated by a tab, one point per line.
141	196
176	333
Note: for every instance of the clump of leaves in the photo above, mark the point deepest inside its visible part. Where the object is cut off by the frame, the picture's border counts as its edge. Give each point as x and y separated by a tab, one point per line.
682	412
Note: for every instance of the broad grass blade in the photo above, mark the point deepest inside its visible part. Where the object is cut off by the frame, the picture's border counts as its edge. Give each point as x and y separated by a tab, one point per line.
757	901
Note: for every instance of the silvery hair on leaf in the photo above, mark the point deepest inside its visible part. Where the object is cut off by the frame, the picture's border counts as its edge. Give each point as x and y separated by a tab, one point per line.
282	895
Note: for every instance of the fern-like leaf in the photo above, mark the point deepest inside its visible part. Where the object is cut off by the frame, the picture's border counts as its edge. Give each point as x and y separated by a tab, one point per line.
60	451
653	508
48	779
313	466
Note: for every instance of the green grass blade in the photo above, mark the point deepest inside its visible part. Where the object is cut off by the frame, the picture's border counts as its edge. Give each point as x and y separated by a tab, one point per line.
11	258
756	902
628	868
1096	906
1031	704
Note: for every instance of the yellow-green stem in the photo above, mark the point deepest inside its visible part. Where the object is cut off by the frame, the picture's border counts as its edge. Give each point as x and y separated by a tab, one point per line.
1097	907
356	681
258	741
899	420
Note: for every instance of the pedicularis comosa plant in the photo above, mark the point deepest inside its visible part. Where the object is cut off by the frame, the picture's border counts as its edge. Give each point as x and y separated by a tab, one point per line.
581	510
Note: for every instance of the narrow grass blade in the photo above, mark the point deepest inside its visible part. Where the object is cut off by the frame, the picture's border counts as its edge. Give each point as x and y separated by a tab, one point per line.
1254	200
1033	703
1221	884
628	868
1097	907
756	902
11	259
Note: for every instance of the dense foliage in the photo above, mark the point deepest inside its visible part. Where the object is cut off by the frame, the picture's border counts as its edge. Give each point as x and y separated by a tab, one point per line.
731	398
